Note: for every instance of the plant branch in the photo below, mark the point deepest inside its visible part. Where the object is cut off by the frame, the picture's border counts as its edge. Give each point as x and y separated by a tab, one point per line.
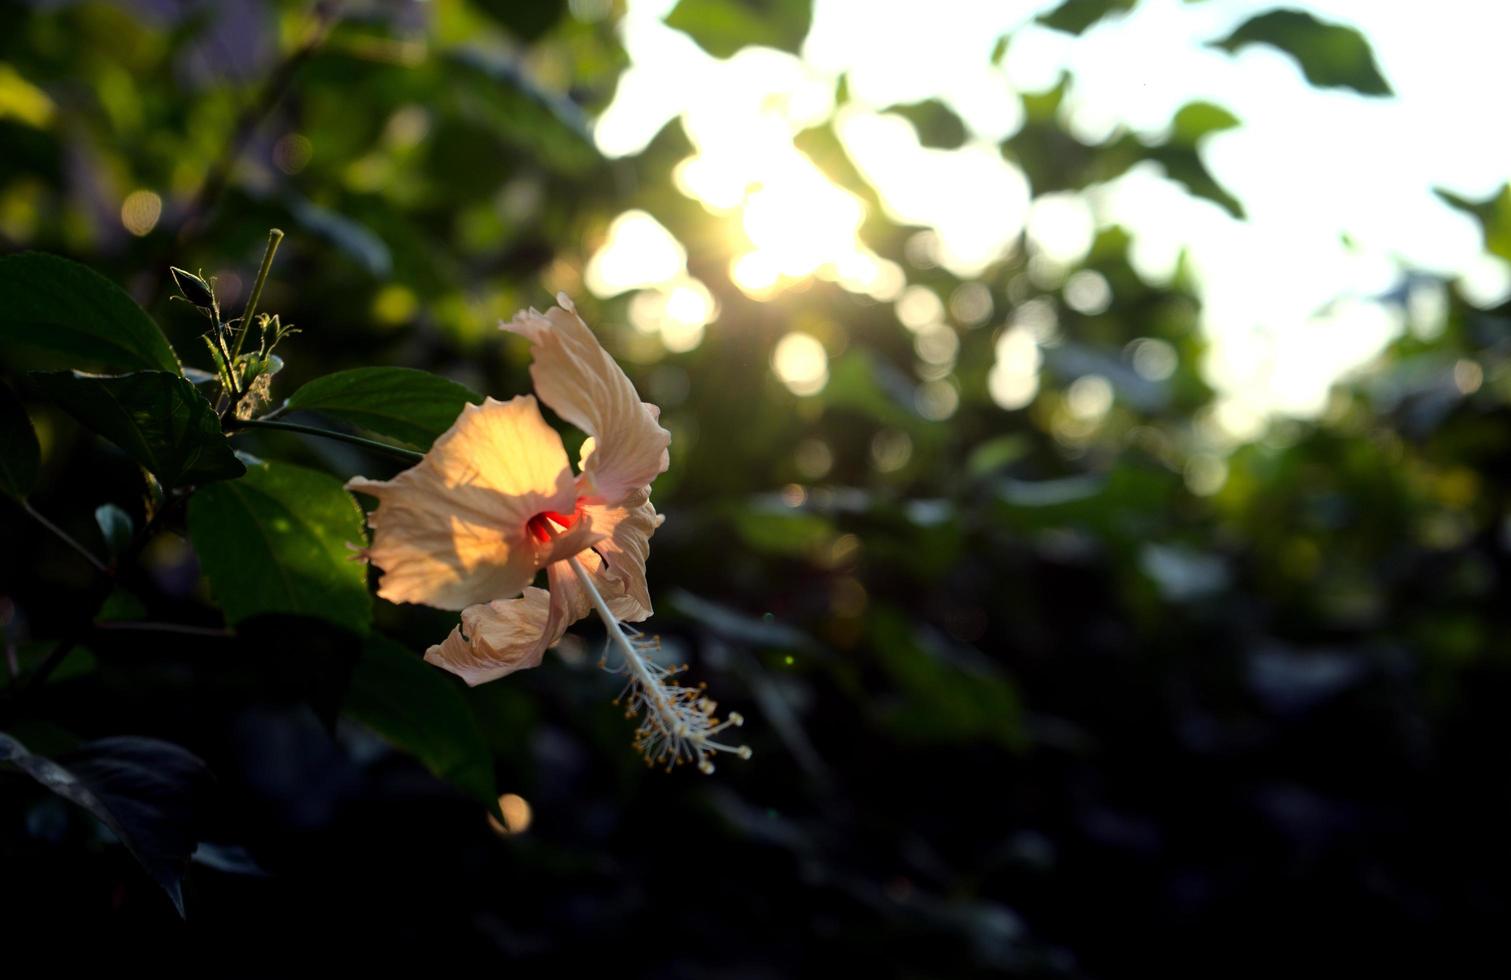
66	538
310	430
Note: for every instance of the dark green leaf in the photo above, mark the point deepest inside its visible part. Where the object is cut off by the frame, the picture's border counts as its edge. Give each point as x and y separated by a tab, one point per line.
400	404
1076	16
1330	55
115	527
527	20
158	419
419	709
20	456
50	305
145	790
722	27
937	124
277	541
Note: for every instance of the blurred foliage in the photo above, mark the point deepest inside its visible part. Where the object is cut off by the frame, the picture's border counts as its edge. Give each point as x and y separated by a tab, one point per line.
1330	55
1033	692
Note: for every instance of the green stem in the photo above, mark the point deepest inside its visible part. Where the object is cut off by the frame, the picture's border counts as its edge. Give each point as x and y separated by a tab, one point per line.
311	430
275	236
225	352
65	537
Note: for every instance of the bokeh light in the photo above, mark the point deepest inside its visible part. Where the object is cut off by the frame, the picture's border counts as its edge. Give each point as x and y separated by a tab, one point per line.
140	212
801	363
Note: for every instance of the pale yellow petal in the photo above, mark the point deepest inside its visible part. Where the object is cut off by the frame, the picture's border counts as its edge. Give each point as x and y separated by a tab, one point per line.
497	638
616	562
451	530
580	381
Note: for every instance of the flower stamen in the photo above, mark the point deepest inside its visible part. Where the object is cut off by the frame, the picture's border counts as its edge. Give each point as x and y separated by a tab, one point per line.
677	723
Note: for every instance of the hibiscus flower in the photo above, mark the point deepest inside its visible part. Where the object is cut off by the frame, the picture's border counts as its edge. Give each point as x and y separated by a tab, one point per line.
495	500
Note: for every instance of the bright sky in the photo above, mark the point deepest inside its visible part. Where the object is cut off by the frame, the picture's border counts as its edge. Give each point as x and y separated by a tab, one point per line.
1287	306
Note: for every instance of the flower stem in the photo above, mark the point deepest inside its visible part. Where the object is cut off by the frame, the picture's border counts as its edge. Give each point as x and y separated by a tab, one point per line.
275	236
310	430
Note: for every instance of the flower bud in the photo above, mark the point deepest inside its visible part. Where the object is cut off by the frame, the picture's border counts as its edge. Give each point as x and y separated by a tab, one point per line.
193	288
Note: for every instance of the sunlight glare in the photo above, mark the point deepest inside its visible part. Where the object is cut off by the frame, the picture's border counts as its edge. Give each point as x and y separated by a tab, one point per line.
638	252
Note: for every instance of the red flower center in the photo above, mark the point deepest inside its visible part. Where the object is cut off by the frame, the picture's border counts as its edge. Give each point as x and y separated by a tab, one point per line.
548	523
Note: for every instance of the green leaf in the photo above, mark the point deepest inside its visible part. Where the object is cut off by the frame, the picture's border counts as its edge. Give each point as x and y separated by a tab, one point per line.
997	453
864	383
937	124
146	791
116	528
785	532
722	27
1077	16
1330	55
20	456
51	305
158	419
276	541
1197	119
400	404
420	710
498	93
1184	165
1493	215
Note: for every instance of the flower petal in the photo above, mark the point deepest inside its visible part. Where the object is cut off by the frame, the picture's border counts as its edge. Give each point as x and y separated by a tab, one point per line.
497	638
580	381
616	562
451	530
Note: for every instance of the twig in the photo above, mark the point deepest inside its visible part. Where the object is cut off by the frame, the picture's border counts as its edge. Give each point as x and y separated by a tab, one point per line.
66	538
